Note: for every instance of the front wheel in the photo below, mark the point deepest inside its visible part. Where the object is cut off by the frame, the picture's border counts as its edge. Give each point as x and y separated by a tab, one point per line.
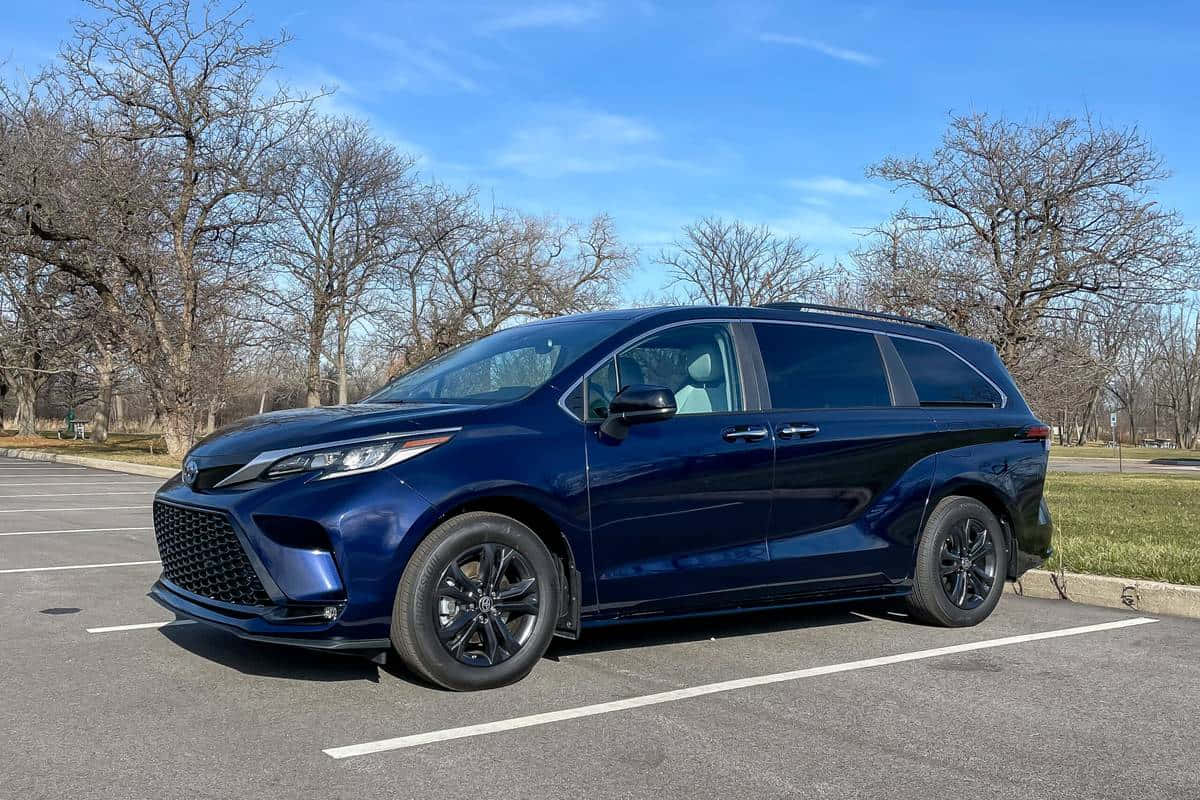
961	565
477	604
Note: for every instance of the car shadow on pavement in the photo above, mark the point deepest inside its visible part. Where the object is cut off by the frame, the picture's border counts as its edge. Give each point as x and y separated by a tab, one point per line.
280	661
652	633
271	660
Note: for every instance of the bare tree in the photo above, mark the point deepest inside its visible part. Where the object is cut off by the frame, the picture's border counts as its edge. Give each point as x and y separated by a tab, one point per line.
732	263
175	161
338	220
468	272
1018	221
38	336
1178	371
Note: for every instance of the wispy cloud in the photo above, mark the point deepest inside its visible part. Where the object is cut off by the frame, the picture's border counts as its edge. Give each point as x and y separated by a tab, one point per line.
824	48
423	66
829	233
546	15
828	184
573	140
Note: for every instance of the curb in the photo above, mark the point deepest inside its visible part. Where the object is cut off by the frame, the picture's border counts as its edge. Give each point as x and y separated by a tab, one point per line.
96	463
1152	597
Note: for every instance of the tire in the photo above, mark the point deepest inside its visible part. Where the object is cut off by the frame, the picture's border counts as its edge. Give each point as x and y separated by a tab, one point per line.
477	604
948	590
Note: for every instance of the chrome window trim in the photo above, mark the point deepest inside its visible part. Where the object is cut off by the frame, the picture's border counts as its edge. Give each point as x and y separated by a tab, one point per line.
259	464
562	398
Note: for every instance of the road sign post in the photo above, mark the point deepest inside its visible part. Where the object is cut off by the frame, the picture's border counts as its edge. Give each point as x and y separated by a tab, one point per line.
1112	423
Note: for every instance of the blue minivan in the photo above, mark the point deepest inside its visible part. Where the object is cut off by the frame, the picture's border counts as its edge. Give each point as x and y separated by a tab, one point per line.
615	466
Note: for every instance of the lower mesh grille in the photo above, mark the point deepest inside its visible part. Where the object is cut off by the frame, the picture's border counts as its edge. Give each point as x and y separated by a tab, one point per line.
201	553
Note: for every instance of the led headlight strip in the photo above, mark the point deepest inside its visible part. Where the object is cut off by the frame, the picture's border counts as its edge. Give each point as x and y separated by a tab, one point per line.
346	457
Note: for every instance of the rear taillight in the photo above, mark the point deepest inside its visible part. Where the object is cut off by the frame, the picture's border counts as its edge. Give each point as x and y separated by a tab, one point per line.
1036	433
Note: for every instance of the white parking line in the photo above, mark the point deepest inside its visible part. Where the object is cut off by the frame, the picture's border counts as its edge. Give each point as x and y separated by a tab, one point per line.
79	566
514	723
41	510
74	494
42	470
142	626
75	530
83	483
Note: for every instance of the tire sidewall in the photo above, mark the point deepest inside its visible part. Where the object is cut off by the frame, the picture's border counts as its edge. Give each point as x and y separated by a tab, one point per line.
948	514
455	537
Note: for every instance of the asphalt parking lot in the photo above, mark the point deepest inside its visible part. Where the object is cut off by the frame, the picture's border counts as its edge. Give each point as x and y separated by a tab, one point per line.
843	702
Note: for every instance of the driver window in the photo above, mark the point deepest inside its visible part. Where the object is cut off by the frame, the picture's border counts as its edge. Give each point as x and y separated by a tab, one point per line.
695	362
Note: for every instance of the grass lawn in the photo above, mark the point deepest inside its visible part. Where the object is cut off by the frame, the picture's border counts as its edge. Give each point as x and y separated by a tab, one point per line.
1130	526
1093	451
136	447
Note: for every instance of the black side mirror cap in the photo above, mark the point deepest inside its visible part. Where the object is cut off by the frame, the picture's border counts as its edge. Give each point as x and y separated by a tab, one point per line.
636	405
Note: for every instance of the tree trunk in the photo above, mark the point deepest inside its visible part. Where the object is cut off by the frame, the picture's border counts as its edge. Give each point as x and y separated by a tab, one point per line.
342	383
312	380
211	424
104	392
1089	417
262	402
26	388
177	431
316	343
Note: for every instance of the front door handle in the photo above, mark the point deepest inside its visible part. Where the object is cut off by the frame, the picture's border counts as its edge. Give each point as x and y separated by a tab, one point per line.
792	429
751	433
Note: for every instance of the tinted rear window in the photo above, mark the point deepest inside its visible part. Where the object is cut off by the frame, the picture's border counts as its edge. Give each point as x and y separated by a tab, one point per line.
943	379
811	367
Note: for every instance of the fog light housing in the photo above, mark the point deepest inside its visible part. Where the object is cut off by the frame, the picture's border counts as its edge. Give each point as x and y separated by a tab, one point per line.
329	612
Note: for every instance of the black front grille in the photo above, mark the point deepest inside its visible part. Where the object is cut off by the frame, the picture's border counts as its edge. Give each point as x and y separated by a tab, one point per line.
201	553
208	478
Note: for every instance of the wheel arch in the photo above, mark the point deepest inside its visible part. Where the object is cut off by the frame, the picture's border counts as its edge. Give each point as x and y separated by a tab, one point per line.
548	529
995	501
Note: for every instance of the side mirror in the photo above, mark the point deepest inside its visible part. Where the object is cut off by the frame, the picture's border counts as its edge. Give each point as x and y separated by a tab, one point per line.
635	405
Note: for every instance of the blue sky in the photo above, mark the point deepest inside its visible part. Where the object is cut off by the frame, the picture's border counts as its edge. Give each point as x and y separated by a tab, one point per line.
660	112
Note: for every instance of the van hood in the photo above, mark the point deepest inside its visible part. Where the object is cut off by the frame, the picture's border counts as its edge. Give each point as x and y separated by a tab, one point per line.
241	441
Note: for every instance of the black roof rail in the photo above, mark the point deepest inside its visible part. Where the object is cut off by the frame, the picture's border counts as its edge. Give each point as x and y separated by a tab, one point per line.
937	326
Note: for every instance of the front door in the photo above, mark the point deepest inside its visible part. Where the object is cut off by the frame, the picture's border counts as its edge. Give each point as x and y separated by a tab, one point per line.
679	508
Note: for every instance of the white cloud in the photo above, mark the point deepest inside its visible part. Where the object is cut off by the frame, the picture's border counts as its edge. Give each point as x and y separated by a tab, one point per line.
840	53
828	184
573	140
546	15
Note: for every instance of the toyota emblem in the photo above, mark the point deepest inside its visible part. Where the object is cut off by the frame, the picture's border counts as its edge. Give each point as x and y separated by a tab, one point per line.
189	472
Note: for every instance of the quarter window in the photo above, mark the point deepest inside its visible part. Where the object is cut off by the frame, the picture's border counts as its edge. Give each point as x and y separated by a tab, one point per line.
814	367
943	379
601	387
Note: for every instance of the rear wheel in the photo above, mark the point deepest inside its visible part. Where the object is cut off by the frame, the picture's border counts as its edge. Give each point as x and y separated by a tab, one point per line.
476	606
961	564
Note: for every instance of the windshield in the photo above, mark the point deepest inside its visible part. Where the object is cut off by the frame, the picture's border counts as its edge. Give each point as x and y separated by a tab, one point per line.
506	365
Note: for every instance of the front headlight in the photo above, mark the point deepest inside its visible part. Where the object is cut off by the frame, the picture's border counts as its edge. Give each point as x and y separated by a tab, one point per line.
354	459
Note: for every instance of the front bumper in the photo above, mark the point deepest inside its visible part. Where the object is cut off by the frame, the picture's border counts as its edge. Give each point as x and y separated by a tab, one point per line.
258	629
338	545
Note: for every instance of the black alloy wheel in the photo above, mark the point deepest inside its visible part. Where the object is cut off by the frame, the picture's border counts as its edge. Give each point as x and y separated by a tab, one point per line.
968	563
488	602
478	602
961	564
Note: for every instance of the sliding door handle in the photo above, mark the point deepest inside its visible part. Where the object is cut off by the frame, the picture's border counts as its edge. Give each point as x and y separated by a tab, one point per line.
751	433
793	430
